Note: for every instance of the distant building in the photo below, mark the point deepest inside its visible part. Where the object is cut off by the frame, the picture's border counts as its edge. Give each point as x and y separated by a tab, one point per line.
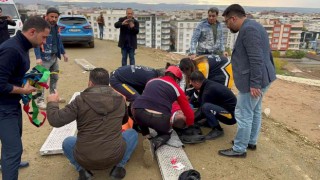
154	30
181	33
282	37
111	16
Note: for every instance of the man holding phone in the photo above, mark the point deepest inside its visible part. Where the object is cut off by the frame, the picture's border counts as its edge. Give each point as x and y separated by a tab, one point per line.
4	22
129	28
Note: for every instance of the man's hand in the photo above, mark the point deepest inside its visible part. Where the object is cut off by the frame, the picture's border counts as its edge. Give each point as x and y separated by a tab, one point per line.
39	61
125	22
28	89
192	56
9	18
226	54
255	92
53	97
131	24
65	58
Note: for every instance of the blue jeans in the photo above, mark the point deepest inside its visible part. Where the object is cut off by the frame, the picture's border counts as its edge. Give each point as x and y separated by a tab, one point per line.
248	116
130	136
125	51
101	31
10	137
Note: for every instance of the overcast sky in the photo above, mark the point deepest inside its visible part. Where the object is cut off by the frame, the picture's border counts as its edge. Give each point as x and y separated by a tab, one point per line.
264	3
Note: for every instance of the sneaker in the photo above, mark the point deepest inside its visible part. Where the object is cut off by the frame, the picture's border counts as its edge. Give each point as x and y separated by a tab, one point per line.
42	105
148	156
214	133
85	175
117	172
21	165
61	100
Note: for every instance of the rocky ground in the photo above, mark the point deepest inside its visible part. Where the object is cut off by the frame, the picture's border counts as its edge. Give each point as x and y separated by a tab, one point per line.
288	146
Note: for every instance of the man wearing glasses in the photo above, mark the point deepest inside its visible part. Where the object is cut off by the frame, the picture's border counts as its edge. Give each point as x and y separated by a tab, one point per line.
253	71
207	38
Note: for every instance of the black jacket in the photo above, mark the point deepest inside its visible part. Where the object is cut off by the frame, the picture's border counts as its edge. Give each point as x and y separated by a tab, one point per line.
218	94
128	36
4	32
14	63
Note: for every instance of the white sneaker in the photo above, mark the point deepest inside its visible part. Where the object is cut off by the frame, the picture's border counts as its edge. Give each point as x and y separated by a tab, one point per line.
42	105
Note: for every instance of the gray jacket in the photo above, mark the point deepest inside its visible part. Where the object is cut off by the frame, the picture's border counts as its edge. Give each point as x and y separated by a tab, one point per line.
252	62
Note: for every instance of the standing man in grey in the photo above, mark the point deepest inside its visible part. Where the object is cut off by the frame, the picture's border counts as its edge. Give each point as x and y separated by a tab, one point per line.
253	71
207	38
48	54
129	28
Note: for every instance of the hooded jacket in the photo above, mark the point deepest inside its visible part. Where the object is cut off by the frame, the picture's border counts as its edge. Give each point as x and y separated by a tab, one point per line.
99	112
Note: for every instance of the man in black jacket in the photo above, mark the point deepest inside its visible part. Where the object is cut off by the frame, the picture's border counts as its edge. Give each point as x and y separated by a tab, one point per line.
217	103
4	22
129	28
14	63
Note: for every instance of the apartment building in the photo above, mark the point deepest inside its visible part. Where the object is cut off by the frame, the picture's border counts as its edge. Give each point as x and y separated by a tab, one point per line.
181	33
111	16
154	30
282	37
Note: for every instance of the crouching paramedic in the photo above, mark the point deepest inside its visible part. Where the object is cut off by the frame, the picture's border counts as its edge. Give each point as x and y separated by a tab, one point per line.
130	80
153	109
217	103
99	112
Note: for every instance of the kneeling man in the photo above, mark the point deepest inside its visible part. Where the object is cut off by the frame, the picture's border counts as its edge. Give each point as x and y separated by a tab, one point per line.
99	112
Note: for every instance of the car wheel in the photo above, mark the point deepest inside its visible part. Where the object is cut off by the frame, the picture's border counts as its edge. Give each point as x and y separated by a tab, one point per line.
91	44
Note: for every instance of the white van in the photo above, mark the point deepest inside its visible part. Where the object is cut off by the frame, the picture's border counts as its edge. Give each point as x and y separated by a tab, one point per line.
9	9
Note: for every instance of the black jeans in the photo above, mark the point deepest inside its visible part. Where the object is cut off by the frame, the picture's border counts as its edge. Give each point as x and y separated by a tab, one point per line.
10	137
159	122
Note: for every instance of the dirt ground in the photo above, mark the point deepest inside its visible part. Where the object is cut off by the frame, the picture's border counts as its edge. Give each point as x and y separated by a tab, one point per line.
288	147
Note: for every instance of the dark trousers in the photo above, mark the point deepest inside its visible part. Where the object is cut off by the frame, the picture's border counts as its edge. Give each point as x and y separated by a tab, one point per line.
126	90
127	51
159	122
214	113
10	137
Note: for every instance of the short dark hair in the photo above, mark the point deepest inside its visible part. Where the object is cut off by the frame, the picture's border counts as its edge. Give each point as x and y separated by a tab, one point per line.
234	10
214	9
99	76
35	22
197	76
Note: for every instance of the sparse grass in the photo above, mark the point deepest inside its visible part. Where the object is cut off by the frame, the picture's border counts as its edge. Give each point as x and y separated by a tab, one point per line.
280	64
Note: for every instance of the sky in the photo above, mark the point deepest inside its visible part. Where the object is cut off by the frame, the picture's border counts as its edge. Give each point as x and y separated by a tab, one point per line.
264	3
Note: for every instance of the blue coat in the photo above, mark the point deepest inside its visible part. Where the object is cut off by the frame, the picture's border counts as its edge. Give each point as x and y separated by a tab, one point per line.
252	62
44	52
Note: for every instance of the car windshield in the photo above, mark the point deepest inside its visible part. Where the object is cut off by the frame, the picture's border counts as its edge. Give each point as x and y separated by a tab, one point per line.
9	10
73	20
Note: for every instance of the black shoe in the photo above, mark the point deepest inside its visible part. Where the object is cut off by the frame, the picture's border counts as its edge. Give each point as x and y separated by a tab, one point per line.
213	134
252	147
118	172
85	175
21	165
231	153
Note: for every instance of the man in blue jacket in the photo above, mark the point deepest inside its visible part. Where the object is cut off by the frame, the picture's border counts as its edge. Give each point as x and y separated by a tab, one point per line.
253	71
48	54
14	63
207	38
